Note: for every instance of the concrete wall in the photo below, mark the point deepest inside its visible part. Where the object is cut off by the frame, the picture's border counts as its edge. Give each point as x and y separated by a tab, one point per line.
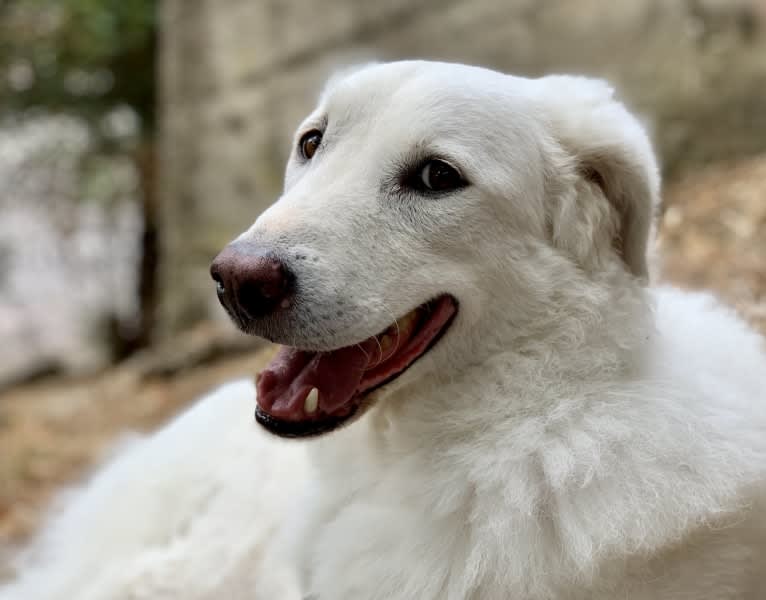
238	75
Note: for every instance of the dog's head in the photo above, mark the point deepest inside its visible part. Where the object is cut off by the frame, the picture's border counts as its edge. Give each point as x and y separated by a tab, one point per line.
432	211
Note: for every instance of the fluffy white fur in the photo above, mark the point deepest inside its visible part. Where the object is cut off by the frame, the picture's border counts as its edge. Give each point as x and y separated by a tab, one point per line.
575	435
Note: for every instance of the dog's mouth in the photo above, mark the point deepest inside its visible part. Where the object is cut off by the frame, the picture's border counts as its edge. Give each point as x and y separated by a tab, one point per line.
303	393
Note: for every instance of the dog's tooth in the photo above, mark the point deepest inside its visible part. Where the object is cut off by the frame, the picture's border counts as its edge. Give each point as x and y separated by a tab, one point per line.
385	343
407	320
311	403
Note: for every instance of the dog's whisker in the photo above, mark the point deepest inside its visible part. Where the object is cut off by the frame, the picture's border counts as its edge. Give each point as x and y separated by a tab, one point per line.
366	355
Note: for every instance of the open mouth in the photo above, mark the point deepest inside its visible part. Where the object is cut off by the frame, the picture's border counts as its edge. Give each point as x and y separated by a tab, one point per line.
304	393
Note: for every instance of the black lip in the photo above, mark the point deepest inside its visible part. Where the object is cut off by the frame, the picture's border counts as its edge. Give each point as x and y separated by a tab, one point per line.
300	429
316	428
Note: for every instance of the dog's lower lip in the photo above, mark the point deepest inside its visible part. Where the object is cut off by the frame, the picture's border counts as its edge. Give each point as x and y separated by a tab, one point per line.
342	379
300	429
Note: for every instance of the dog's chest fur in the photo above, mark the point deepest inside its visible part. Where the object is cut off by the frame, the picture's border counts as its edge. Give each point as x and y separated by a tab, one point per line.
530	508
368	524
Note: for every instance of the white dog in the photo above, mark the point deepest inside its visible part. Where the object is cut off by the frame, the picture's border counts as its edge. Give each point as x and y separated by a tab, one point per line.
502	408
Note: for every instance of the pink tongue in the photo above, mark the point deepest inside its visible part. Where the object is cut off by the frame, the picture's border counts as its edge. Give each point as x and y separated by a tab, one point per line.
285	383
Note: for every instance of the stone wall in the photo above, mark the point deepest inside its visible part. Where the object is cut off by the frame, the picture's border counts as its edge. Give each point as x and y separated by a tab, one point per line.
238	75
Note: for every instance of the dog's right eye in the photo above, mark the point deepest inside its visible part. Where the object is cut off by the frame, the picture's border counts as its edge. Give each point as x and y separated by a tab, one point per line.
439	176
309	143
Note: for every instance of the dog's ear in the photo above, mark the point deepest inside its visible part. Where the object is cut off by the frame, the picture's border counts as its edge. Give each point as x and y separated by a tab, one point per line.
613	184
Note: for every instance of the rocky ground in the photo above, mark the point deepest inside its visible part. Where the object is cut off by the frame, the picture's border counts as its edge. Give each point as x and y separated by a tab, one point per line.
713	236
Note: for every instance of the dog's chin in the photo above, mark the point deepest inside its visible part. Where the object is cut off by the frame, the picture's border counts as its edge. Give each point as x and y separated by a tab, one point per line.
306	393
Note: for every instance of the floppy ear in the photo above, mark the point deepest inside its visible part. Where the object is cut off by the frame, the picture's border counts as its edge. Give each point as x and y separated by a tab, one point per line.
613	186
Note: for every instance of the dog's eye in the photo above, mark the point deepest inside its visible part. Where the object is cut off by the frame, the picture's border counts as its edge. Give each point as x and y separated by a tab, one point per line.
440	176
310	143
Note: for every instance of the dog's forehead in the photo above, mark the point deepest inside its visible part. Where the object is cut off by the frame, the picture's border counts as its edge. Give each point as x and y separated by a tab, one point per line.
422	94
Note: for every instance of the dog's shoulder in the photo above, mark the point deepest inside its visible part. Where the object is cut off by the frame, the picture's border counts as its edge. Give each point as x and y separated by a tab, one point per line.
674	450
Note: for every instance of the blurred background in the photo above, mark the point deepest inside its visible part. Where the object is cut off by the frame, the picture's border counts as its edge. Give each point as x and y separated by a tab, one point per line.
137	137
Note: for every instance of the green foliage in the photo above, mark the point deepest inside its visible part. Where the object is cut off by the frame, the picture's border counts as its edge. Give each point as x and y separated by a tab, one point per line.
78	56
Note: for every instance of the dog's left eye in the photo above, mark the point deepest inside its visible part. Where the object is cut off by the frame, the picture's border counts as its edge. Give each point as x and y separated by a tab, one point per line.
439	176
309	143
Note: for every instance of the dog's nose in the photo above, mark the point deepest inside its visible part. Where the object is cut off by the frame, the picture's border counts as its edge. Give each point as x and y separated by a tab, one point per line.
249	283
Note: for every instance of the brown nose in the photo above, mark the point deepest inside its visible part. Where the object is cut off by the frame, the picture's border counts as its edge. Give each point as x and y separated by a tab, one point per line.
250	283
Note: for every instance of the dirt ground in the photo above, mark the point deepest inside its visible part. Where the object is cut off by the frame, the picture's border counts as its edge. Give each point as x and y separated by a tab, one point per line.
713	236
